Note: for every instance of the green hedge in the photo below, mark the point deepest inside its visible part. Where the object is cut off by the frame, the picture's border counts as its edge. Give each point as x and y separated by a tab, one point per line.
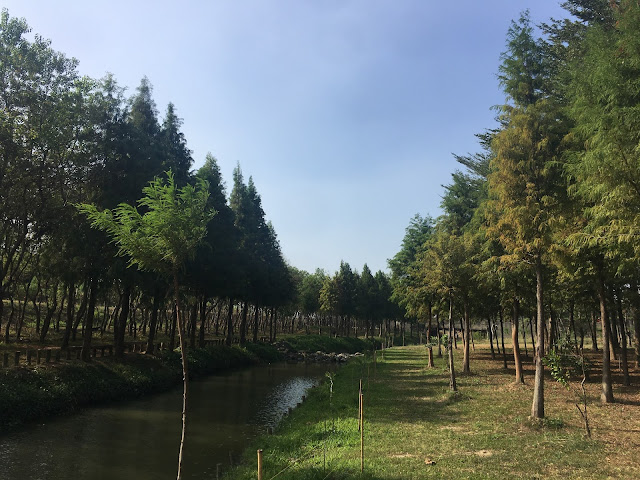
29	394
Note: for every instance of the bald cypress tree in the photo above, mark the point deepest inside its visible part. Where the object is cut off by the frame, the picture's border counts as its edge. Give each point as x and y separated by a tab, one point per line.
525	183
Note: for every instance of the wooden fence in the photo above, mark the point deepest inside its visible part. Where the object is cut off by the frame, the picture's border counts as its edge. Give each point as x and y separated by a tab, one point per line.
37	356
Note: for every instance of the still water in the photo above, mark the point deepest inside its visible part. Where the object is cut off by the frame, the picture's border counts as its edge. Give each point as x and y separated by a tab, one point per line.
140	439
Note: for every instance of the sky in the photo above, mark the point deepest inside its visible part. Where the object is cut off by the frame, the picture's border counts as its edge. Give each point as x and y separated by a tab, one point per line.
346	113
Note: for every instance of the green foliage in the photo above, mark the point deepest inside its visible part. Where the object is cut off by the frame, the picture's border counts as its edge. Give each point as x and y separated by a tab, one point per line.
605	106
163	237
563	362
523	68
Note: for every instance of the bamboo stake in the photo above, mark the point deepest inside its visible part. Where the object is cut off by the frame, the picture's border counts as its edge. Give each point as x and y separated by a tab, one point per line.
360	406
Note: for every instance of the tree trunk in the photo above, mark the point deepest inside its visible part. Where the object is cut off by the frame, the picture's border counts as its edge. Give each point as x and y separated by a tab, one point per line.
594	332
537	407
636	324
243	323
552	329
490	332
572	326
430	364
626	381
218	315
613	324
88	325
81	312
452	374
524	338
274	316
153	321
467	337
514	340
185	371
533	337
203	320
70	311
255	324
439	337
60	310
607	388
230	323
194	322
120	323
51	311
504	350
174	323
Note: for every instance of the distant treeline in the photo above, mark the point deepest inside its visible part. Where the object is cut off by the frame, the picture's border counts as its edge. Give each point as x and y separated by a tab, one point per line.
67	140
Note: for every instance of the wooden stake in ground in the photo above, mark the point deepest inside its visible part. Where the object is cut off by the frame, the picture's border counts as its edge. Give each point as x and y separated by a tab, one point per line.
260	464
360	406
361	432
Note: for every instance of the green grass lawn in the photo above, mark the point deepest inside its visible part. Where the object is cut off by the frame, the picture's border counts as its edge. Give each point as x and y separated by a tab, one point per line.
414	428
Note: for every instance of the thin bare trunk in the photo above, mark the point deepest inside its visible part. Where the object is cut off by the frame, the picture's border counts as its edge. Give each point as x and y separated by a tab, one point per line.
230	323
88	325
607	389
623	341
504	350
467	336
185	372
514	340
452	374
537	407
430	364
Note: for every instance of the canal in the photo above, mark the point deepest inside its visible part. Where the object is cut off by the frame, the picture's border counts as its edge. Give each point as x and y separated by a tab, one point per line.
140	439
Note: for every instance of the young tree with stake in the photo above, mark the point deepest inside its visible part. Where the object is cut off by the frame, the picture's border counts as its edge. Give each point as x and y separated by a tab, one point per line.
160	240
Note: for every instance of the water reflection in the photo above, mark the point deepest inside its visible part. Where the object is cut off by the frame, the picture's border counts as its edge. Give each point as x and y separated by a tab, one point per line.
139	439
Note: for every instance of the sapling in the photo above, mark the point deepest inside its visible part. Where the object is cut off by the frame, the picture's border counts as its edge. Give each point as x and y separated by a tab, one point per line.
160	236
562	361
330	375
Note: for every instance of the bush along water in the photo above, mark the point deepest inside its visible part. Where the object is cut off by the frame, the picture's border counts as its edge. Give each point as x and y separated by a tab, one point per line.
33	393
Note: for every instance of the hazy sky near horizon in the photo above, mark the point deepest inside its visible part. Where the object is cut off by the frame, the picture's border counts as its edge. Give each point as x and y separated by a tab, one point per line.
346	113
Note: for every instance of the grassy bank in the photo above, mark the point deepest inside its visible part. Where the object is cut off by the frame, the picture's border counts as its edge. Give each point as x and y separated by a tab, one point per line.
30	394
416	429
327	344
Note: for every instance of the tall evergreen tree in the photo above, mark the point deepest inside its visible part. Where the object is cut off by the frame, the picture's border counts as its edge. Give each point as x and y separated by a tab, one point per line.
524	181
177	157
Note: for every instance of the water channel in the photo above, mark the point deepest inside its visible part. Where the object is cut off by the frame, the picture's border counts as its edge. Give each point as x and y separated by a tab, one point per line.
139	439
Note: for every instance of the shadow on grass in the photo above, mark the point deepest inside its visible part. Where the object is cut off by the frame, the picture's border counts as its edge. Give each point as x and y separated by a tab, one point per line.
417	393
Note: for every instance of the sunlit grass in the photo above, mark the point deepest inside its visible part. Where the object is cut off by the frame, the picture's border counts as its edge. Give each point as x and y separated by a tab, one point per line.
416	428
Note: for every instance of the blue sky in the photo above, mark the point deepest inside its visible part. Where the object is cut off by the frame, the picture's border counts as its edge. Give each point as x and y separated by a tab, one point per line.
346	113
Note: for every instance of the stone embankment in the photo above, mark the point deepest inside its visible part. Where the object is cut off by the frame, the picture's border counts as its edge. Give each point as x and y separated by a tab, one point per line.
314	357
